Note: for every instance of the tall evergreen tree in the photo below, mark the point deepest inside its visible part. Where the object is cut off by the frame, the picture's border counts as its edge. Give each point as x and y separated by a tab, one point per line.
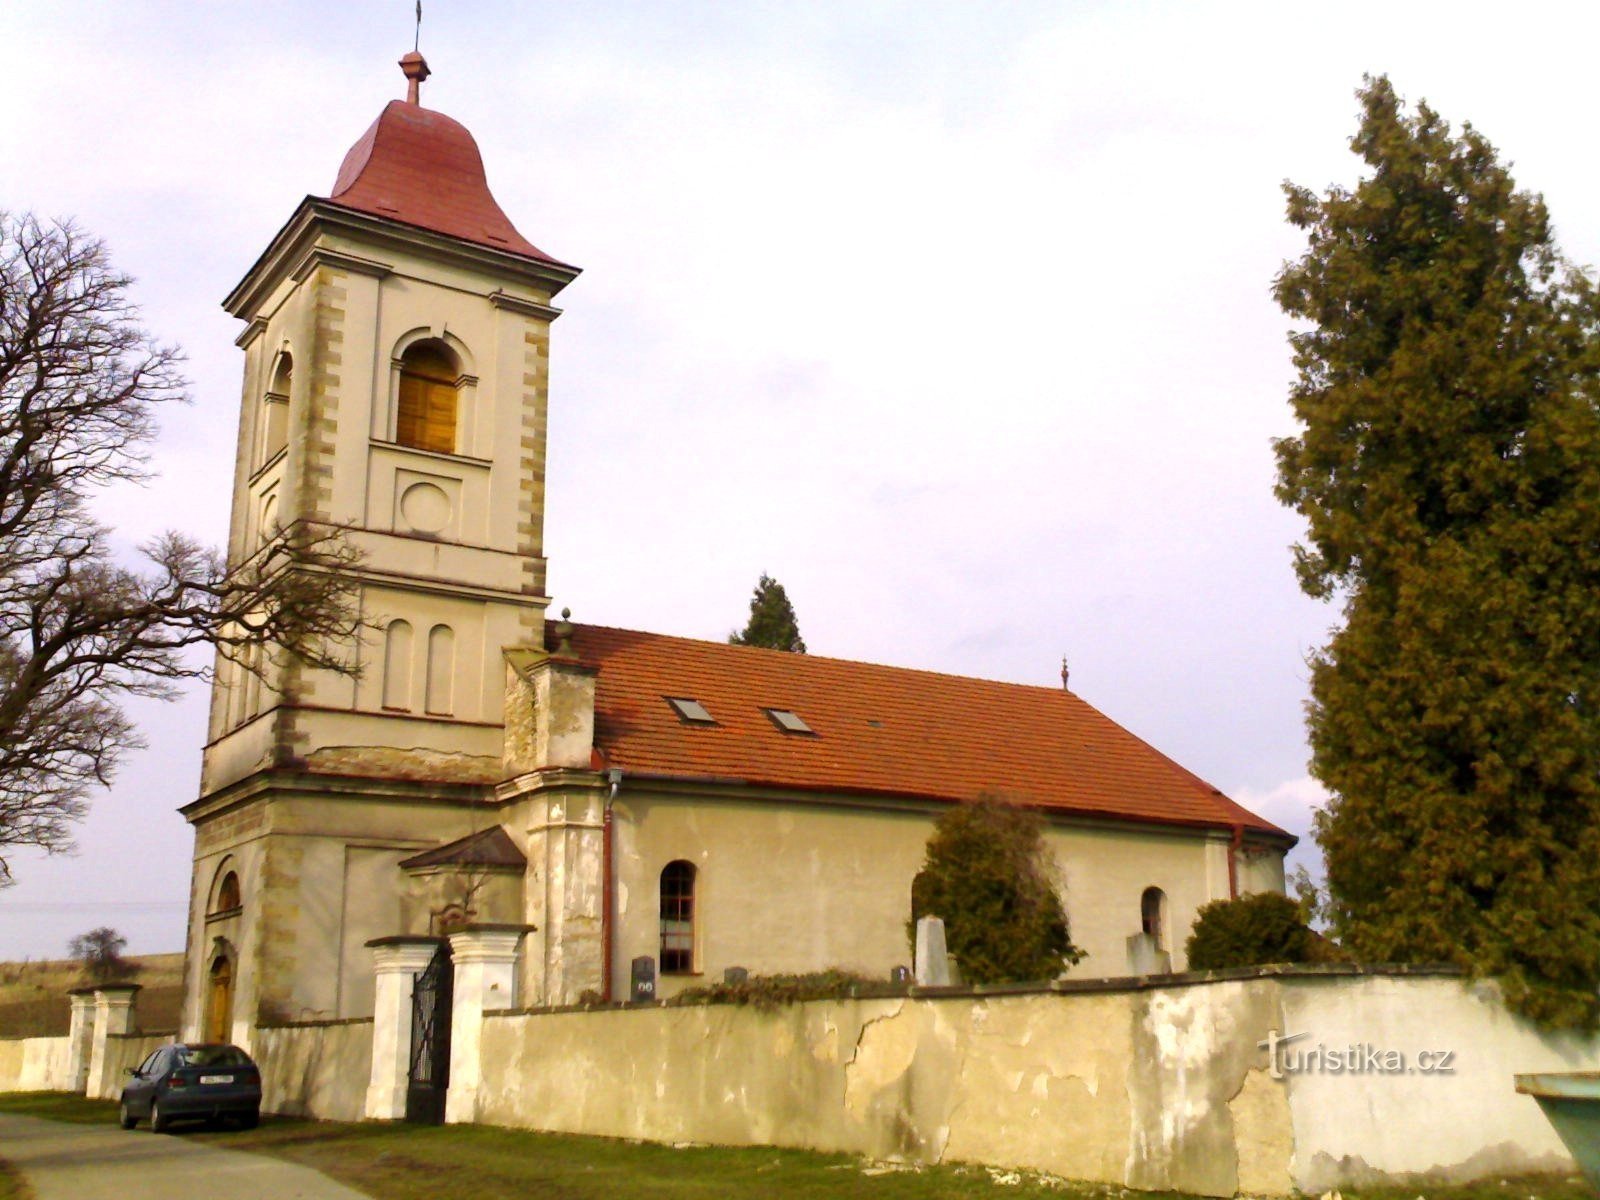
1449	472
772	621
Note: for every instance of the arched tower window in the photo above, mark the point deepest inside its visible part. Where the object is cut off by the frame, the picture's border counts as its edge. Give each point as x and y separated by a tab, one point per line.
429	375
275	408
225	894
1153	915
677	917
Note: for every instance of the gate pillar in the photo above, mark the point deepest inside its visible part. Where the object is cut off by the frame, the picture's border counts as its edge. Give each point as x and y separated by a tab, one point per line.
486	977
395	963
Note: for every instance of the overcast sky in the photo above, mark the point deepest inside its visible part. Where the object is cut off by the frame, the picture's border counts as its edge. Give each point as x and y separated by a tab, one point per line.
955	318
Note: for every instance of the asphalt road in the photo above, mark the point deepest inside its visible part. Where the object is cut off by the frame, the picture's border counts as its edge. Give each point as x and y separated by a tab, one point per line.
94	1162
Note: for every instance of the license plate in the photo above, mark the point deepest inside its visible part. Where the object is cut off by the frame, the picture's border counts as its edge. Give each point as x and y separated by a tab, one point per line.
216	1079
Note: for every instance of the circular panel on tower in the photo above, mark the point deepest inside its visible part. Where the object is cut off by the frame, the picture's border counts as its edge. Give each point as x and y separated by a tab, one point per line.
425	508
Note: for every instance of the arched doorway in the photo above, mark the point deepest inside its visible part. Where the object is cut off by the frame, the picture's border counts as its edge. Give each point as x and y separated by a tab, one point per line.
219	1001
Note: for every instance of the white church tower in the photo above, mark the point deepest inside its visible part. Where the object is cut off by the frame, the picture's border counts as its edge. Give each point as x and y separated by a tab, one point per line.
396	363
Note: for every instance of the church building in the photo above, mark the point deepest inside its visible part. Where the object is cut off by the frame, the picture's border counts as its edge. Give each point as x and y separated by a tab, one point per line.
597	795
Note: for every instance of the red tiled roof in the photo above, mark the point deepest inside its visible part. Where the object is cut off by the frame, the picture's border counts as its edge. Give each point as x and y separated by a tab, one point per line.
882	730
421	168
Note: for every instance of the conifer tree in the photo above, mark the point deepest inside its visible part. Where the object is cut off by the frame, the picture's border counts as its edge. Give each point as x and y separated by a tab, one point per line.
1449	472
772	621
989	876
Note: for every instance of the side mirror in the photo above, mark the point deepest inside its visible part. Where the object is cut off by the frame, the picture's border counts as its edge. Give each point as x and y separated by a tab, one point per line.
134	1071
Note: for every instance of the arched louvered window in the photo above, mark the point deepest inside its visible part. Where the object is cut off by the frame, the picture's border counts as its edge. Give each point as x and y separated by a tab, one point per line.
429	375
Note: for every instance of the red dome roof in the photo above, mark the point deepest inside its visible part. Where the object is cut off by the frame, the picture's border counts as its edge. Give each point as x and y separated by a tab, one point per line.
419	167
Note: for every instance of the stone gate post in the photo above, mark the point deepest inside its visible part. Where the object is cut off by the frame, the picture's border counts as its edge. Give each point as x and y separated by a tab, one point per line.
486	978
113	1016
395	963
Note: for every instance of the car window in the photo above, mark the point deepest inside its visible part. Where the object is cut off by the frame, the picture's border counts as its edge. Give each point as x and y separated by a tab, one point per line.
214	1056
148	1066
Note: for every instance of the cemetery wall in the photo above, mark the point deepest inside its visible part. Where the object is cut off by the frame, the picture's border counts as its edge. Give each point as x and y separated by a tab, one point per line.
36	1064
1167	1086
315	1068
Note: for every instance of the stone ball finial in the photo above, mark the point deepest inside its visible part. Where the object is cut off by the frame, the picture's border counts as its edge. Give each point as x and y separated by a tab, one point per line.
416	70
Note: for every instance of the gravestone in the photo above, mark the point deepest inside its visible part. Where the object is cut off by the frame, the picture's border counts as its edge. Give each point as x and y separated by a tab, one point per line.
735	975
932	963
643	990
1146	957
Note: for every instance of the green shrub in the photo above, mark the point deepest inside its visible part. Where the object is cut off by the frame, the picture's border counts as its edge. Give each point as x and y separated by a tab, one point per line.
989	876
1254	930
767	992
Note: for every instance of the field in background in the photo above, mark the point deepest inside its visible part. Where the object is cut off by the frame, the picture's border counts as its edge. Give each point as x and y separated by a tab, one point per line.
33	995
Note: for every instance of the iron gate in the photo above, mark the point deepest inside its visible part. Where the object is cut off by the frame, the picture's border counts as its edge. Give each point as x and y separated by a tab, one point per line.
430	1040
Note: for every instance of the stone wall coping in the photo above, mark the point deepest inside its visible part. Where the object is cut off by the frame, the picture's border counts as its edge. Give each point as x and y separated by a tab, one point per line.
130	988
1058	987
494	927
319	1024
144	1034
406	939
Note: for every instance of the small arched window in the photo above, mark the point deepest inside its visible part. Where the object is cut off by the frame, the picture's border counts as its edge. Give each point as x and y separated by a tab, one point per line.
227	897
677	918
426	419
275	408
1153	915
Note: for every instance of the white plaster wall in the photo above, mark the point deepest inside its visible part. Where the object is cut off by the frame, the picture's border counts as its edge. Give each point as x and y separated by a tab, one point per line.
1158	1088
315	1070
1465	1124
37	1064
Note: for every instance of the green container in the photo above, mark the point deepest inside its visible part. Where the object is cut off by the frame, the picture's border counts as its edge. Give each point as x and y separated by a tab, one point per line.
1571	1103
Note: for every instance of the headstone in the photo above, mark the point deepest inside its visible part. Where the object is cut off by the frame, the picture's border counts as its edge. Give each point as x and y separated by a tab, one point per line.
932	964
900	975
643	990
1146	957
735	975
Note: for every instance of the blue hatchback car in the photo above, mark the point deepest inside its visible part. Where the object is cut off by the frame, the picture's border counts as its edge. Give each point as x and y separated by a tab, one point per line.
192	1082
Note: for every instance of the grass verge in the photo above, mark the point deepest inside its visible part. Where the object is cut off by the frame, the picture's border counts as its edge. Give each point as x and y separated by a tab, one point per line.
415	1162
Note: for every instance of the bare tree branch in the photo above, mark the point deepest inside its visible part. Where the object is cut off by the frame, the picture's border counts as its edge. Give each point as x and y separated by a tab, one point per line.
80	383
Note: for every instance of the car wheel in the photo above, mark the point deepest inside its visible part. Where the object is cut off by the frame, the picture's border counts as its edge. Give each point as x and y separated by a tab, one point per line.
127	1119
249	1120
159	1121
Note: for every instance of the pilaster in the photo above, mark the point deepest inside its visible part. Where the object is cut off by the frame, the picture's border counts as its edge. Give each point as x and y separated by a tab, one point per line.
80	1037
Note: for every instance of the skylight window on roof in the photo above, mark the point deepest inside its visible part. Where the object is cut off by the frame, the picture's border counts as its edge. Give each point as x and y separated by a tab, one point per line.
692	712
789	722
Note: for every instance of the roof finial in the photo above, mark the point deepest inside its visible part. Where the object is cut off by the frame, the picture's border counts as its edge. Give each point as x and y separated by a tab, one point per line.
1064	673
415	66
416	69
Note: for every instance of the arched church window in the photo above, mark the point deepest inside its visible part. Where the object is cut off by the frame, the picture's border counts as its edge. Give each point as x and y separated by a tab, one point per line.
1153	915
275	408
225	896
441	670
397	665
677	917
426	420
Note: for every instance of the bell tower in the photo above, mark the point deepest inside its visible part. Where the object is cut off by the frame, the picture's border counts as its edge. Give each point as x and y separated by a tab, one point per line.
396	362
